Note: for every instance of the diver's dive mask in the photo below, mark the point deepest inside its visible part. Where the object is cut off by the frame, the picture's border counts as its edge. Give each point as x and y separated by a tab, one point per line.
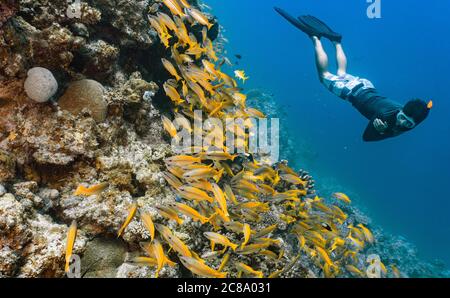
405	121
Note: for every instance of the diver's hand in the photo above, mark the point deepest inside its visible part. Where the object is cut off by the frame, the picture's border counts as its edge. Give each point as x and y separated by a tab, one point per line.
380	125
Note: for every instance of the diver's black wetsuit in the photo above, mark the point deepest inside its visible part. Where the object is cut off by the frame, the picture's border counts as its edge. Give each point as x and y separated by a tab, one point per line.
372	106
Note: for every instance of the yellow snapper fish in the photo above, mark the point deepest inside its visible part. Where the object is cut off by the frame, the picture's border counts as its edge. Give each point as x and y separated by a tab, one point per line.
295	192
241	267
179	246
353	270
180	160
253	248
268	241
172	180
131	214
182	35
268	253
342	197
216	238
169	214
169	127
149	249
239	99
234	226
203	173
174	7
301	241
199	268
167	21
173	94
247	233
210	68
227	169
199	17
89	191
267	189
190	212
146	261
357	232
224	262
351	254
185	3
183	122
217	155
252	112
202	184
251	215
160	257
230	195
240	74
192	193
248	186
367	233
330	270
204	34
163	230
195	50
189	167
265	231
227	79
147	221
71	236
324	256
357	243
220	198
209	47
218	215
161	30
176	171
294	179
257	206
287	268
170	68
286	169
337	242
279	197
339	213
198	91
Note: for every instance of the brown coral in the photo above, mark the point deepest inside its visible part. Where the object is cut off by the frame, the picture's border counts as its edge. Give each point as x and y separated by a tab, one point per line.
85	94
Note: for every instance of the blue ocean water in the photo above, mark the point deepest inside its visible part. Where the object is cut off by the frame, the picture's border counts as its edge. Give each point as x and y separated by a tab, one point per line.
402	183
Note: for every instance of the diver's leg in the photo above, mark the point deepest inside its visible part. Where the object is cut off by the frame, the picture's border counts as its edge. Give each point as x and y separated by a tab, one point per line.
321	57
341	60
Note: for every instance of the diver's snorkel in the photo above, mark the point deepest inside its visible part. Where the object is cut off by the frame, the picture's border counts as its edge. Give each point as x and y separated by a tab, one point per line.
405	121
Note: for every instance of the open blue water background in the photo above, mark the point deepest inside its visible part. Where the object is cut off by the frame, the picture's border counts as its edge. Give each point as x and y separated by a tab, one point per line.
402	183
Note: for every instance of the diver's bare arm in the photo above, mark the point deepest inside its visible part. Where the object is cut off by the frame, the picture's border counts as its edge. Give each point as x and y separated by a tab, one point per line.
321	57
341	59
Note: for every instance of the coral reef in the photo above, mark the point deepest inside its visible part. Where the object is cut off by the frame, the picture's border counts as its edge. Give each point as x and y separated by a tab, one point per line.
40	84
85	94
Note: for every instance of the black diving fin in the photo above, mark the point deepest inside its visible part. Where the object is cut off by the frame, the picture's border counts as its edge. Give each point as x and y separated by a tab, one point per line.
311	26
319	26
297	23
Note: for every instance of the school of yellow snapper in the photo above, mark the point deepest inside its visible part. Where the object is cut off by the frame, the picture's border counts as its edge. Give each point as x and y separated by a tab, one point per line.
225	199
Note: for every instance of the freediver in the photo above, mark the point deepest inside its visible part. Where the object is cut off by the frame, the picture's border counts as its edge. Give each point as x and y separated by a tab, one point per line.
387	118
